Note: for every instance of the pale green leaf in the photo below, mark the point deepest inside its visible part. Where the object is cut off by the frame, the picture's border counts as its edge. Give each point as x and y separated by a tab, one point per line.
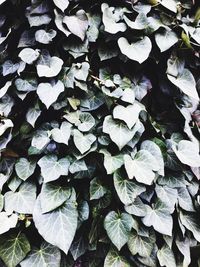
83	142
87	121
166	40
97	190
112	163
7	221
51	69
62	134
191	222
24	168
166	257
113	259
29	55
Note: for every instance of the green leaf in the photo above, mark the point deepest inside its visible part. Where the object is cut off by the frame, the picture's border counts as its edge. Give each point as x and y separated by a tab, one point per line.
53	196
112	163
188	153
119	133
166	257
191	222
185	200
45	37
57	227
137	208
185	82
159	217
113	259
166	39
111	20
24	168
155	151
118	227
23	200
167	195
77	24
87	121
52	168
141	245
14	248
61	4
142	167
50	68
138	51
127	190
78	166
48	93
28	55
47	255
83	142
7	222
97	190
123	113
62	134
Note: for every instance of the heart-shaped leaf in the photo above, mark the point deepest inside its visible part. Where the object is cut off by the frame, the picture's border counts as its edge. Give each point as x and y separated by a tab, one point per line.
83	142
51	69
24	168
62	135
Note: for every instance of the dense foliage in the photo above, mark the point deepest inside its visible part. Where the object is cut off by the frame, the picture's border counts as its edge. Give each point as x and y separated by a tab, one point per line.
99	133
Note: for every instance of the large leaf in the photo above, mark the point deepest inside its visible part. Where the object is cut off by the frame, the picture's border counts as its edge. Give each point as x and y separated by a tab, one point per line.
23	200
138	51
57	227
46	255
142	167
83	142
48	93
185	82
129	114
24	168
52	168
119	133
118	227
159	217
113	259
53	196
188	153
14	248
127	190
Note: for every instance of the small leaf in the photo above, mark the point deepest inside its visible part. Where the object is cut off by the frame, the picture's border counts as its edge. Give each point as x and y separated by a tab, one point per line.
45	37
191	222
166	40
186	83
166	257
7	222
47	255
169	4
4	89
4	125
28	55
51	69
52	168
61	4
83	142
112	163
87	121
48	94
57	227
78	247
118	227
97	190
26	85
32	115
13	249
62	135
138	51
113	259
24	168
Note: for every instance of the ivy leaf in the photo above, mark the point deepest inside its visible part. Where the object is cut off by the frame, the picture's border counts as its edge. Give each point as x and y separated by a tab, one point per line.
167	195
23	200
166	257
14	248
40	139
4	89
77	24
141	244
191	222
57	227
78	247
185	82
62	135
45	37
32	115
138	51
29	55
97	190
61	4
169	4
166	39
83	142
159	217
7	222
137	208
123	113
127	190
184	200
111	20
24	168
119	133
51	69
118	227
47	255
142	167
26	85
113	259
87	121
4	125
53	196
188	153
48	93
52	168
59	23
112	163
39	20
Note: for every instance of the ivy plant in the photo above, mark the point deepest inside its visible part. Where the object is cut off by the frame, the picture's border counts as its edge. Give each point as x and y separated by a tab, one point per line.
99	133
